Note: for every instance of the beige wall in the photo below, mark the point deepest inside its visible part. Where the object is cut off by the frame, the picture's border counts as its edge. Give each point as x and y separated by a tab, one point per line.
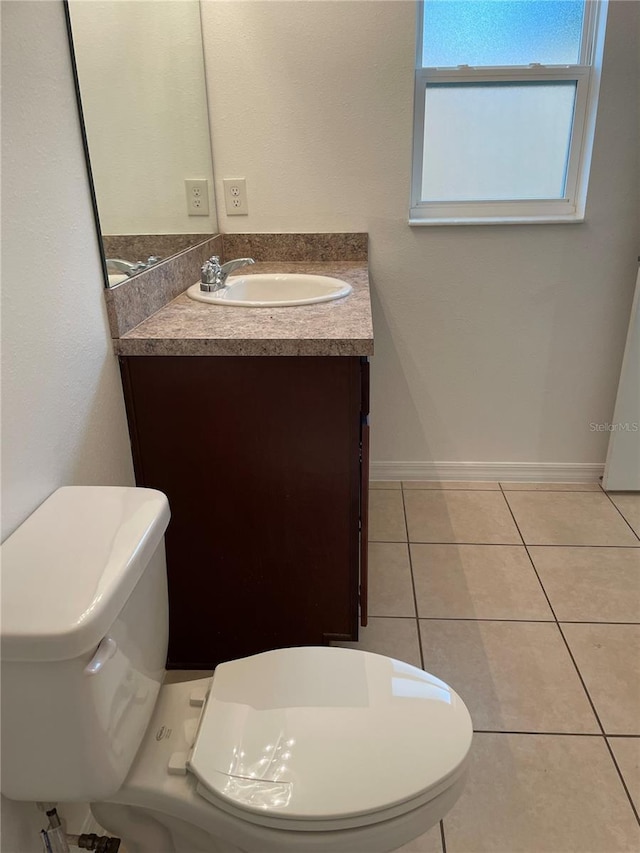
145	140
63	419
493	343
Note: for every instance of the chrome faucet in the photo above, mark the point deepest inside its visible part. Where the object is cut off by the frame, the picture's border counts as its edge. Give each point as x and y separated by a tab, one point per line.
130	269
122	266
214	275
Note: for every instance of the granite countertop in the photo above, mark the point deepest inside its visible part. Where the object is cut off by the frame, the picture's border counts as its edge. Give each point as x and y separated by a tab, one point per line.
187	327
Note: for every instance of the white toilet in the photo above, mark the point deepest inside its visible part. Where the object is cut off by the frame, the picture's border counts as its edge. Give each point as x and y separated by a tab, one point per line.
301	749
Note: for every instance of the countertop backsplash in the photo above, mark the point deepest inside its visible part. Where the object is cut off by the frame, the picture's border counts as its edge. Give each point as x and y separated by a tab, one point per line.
137	298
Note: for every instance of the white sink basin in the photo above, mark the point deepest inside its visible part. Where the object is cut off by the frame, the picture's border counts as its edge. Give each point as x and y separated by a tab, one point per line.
116	278
273	290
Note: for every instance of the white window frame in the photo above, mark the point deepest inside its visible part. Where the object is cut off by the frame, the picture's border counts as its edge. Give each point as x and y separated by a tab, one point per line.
586	75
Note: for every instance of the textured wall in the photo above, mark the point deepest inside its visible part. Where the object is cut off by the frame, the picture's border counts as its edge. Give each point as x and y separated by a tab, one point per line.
493	343
63	418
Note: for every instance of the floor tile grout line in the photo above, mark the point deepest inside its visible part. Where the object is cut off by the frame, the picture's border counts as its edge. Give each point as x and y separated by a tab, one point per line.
573	545
442	838
490	619
590	622
621	514
413	580
514	520
493	619
541	734
380	616
499	487
611	735
556	491
529	733
504	485
579	674
498	544
577	668
624	784
487	619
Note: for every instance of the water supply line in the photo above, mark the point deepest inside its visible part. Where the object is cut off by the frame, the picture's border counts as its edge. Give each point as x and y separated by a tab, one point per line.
56	840
91	841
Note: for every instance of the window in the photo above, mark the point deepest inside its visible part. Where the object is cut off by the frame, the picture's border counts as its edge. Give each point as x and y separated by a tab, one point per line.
505	102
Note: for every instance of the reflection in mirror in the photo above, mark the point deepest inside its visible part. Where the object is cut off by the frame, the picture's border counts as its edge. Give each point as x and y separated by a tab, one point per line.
142	86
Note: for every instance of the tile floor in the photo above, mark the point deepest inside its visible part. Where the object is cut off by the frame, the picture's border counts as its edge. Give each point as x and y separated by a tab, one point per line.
526	599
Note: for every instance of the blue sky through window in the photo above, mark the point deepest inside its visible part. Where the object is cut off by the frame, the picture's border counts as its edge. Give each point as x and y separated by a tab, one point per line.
501	32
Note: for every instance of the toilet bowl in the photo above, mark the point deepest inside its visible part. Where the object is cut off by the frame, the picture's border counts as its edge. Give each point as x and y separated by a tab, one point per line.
301	749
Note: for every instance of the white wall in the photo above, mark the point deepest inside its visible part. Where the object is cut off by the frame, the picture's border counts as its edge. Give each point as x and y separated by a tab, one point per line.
63	419
145	140
493	343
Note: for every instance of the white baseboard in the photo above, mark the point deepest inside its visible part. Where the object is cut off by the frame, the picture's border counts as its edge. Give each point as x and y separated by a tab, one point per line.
507	472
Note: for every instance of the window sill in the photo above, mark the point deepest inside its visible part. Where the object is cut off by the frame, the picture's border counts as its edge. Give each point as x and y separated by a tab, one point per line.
565	219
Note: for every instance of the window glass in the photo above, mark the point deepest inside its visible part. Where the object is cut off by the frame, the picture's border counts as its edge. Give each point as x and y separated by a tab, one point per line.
496	141
501	32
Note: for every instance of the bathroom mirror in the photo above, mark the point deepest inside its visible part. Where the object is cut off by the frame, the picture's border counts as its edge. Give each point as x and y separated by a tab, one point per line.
141	82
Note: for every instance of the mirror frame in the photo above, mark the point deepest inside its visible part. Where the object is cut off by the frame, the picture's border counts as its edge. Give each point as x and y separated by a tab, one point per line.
85	144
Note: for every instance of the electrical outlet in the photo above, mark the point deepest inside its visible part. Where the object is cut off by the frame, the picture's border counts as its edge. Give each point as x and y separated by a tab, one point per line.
197	197
235	196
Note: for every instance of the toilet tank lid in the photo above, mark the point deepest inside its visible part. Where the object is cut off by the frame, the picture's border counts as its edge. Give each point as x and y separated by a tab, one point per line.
69	569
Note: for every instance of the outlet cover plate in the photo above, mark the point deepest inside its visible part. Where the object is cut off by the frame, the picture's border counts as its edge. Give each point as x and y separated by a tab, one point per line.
235	196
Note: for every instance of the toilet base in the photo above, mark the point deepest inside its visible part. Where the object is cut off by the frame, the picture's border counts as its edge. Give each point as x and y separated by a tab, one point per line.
146	831
156	811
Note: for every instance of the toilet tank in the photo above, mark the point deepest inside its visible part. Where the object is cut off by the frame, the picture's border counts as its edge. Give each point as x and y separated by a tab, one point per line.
84	636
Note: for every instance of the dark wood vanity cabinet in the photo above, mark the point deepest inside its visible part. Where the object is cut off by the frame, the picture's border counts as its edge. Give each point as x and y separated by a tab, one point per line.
265	464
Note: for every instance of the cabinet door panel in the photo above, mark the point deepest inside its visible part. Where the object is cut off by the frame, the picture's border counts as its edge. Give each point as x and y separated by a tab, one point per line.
259	459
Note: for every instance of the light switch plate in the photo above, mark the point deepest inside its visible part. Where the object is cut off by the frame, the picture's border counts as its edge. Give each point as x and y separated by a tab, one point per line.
235	196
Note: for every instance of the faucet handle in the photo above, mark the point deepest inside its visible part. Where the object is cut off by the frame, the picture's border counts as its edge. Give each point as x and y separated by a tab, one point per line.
210	270
211	274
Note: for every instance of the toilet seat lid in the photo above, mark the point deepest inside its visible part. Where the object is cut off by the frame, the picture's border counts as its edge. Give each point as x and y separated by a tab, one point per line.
327	733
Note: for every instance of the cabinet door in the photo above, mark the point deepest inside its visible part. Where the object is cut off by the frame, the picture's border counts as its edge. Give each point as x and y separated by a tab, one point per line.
259	458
